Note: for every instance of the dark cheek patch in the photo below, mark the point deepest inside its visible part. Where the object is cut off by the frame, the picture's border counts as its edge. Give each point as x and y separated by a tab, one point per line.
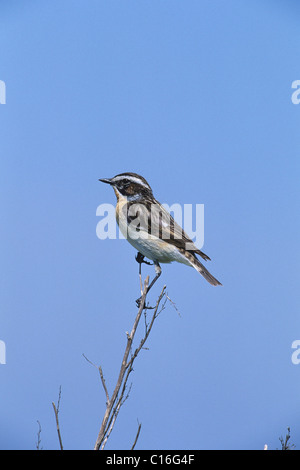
130	190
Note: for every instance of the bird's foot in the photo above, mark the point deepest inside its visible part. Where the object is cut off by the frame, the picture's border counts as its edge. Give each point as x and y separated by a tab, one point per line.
146	307
140	259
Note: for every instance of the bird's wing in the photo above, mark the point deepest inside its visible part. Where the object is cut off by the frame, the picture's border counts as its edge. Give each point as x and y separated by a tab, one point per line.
151	217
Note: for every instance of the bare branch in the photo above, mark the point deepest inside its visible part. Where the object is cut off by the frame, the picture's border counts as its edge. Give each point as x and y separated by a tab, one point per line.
38	444
137	436
119	395
149	327
173	304
285	442
59	398
111	402
101	377
114	414
104	384
56	411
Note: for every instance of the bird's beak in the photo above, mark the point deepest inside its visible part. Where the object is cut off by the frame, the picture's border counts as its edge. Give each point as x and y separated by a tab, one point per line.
106	180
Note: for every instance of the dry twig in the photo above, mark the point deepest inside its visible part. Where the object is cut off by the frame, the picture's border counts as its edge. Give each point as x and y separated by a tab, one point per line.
56	411
38	444
137	436
114	403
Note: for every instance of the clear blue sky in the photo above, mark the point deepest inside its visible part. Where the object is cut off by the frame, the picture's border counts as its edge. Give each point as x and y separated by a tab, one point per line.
195	96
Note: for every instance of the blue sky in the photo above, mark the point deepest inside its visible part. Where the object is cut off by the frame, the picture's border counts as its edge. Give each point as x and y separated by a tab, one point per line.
196	97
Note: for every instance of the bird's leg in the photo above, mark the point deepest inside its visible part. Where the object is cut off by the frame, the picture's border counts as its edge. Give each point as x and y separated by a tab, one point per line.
158	273
140	259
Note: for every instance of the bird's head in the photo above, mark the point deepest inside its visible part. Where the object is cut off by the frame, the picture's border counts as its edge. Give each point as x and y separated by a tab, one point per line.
129	185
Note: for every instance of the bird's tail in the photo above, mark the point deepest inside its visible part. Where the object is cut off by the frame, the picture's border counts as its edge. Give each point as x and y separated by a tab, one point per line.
204	272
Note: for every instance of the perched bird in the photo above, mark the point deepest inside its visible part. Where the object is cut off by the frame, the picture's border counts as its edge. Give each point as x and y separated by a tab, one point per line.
149	227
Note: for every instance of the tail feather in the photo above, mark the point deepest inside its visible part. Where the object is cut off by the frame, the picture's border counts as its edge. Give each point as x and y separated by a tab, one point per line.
203	255
204	272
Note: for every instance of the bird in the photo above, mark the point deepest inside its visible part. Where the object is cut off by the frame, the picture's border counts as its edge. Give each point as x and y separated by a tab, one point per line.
151	229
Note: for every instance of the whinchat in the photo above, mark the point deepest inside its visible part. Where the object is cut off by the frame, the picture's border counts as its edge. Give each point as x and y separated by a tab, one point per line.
150	229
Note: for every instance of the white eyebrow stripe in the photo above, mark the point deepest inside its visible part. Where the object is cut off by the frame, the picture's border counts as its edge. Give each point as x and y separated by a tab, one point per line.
133	179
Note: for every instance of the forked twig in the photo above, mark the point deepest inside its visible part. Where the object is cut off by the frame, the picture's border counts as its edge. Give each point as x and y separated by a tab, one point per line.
114	403
56	411
101	377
